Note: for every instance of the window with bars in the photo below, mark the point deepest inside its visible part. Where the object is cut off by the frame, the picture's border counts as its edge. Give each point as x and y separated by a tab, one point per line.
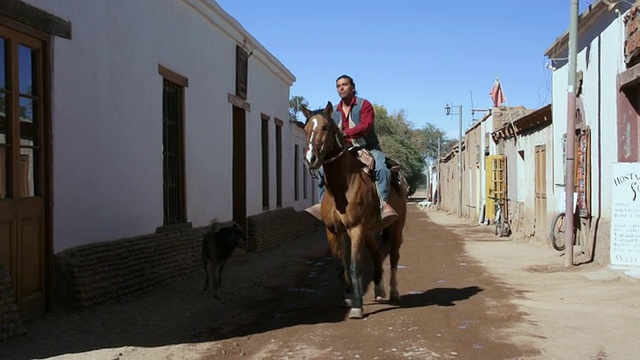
305	181
173	182
296	170
265	162
278	162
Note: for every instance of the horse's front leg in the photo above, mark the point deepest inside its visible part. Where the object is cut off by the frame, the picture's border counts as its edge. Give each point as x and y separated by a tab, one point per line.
336	245
357	245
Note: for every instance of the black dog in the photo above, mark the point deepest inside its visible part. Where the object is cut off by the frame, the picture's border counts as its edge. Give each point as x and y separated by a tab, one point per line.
217	247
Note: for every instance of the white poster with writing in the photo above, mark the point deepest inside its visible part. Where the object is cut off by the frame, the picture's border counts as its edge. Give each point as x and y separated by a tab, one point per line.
625	214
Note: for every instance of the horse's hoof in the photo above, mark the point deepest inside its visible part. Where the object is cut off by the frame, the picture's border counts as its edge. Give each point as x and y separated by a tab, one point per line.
380	293
346	303
355	313
395	295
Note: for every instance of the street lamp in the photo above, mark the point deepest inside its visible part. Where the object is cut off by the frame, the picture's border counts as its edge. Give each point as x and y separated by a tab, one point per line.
447	111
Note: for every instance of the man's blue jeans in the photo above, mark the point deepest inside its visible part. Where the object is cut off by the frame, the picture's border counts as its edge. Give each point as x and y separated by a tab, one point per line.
382	176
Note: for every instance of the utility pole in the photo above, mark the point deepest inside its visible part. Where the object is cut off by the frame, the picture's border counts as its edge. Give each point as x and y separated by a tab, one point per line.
460	160
571	132
447	111
438	176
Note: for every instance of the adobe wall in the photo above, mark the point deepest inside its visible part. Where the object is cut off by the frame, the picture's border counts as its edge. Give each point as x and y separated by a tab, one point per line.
112	271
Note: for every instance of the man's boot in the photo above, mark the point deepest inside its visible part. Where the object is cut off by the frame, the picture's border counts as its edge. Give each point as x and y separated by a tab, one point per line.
388	215
315	211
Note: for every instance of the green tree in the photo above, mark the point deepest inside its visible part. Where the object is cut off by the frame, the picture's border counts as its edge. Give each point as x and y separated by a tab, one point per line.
410	147
295	103
396	139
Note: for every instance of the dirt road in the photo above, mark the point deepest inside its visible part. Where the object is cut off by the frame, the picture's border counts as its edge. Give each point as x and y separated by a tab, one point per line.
466	294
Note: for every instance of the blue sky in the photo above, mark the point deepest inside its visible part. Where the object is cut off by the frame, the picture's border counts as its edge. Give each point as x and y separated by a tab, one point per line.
412	55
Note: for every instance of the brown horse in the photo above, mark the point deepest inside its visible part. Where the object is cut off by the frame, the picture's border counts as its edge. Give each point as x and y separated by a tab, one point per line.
351	209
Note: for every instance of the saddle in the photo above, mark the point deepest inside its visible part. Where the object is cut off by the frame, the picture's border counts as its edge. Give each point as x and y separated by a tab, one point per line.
397	177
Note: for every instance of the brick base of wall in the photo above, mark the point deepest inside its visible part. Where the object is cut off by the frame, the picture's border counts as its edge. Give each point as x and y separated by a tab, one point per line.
10	322
118	270
277	227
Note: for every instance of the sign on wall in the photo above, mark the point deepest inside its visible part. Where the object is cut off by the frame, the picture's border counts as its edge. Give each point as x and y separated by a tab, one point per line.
625	214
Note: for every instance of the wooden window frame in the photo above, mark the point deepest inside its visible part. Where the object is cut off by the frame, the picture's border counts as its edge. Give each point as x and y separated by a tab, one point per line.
180	220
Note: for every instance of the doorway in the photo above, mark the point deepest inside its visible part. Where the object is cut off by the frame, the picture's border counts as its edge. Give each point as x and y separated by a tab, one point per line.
24	168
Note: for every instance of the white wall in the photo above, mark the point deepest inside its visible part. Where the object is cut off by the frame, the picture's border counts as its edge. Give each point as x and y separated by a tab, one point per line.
298	138
107	115
600	59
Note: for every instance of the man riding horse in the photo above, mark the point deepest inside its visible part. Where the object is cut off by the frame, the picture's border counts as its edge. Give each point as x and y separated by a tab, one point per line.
355	117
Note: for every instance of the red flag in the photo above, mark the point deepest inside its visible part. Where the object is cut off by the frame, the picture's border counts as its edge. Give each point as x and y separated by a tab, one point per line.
496	94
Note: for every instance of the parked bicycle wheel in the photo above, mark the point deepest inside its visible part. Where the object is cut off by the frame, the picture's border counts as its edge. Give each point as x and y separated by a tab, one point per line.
557	233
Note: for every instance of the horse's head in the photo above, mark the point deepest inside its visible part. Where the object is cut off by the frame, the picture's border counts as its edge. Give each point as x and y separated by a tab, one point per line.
325	142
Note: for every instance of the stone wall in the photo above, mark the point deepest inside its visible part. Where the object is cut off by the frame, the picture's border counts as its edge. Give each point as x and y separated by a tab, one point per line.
10	322
118	270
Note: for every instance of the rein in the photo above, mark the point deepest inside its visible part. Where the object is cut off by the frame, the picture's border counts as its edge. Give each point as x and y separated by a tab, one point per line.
333	158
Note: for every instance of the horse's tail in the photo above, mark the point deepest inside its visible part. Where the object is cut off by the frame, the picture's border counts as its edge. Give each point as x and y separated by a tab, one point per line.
398	178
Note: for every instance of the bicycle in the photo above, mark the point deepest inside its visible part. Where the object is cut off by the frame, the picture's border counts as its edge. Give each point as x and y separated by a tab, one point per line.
501	224
557	231
556	234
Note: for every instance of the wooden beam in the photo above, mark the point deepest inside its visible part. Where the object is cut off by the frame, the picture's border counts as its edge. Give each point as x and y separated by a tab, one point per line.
36	18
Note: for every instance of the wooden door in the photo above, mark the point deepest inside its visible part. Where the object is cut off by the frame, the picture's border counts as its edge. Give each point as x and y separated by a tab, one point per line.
496	172
239	166
541	190
23	141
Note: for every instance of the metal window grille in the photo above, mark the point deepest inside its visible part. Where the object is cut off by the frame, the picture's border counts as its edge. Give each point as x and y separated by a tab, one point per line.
305	182
172	153
265	163
278	165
